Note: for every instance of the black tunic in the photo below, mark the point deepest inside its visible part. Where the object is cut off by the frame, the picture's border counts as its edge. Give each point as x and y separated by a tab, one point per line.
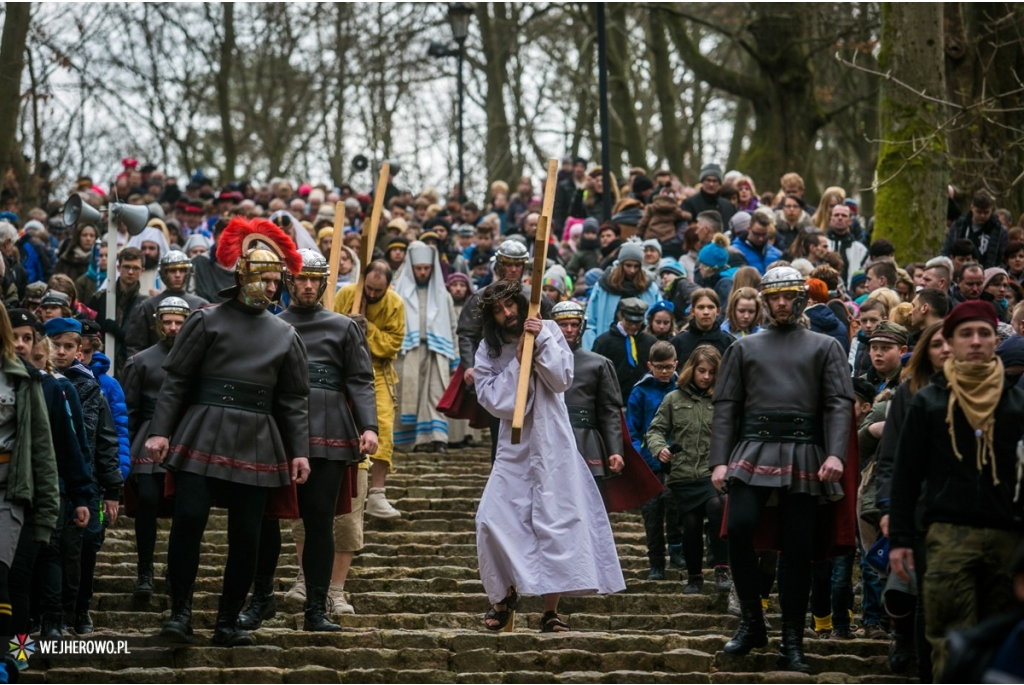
140	333
782	369
595	388
143	376
336	419
233	342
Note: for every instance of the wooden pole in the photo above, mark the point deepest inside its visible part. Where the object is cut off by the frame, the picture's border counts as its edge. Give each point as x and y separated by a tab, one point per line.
540	253
370	235
332	274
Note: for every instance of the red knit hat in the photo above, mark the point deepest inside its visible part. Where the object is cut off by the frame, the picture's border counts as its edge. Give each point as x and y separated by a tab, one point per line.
971	310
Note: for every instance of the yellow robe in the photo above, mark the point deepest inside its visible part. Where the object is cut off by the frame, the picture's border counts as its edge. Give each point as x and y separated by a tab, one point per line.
385	329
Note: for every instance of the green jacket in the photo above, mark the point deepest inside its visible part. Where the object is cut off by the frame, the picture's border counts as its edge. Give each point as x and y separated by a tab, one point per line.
684	418
32	479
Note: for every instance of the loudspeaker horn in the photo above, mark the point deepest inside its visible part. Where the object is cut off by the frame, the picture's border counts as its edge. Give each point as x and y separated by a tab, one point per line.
360	163
156	211
134	217
76	210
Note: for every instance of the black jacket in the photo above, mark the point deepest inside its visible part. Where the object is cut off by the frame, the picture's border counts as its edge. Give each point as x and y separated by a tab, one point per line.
101	433
702	202
956	491
126	301
68	432
989	242
687	341
612	345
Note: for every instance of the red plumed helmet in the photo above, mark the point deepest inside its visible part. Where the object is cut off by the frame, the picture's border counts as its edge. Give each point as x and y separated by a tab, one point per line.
242	235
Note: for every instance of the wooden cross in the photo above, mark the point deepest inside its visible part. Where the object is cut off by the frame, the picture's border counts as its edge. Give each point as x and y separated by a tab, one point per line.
370	235
540	253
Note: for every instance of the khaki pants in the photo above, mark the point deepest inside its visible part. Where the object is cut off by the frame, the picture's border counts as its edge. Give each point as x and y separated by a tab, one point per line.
348	528
967	580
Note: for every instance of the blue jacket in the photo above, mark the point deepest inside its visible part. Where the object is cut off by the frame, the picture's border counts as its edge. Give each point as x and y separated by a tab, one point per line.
755	259
602	305
118	409
824	321
644	401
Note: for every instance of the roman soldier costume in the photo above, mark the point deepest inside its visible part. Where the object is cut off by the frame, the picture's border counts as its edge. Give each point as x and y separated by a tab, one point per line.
234	405
342	405
143	377
141	333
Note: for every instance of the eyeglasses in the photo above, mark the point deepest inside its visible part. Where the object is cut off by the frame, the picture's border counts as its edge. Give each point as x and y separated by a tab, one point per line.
131	269
664	368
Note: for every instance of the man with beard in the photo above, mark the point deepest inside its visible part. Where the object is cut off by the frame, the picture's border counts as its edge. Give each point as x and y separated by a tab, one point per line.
428	354
780	433
175	270
232	423
594	401
152	242
563	541
509	262
383	313
343	426
143	376
129	268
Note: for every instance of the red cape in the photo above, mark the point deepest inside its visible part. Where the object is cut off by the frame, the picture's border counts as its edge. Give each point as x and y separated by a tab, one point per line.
835	531
636	483
459	402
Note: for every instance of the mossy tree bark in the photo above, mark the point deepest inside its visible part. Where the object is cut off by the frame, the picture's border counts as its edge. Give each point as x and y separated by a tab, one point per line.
12	62
664	87
495	34
781	90
623	131
912	163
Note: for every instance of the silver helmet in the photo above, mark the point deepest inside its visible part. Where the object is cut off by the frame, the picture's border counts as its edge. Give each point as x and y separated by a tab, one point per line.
175	259
512	252
314	265
571	310
169	305
784	279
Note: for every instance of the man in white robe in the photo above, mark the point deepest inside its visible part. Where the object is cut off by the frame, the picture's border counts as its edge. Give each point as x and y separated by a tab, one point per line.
428	355
541	525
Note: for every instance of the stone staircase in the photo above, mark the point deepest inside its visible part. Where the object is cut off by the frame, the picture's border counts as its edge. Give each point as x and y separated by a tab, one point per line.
420	609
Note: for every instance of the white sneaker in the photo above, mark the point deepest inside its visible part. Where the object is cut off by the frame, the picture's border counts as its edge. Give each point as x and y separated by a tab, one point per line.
339	604
297	595
378	506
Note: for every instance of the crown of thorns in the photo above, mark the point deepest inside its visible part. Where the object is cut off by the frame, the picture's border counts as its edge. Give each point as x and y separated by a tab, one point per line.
496	292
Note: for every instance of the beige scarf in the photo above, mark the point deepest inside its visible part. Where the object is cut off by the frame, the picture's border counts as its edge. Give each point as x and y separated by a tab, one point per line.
977	389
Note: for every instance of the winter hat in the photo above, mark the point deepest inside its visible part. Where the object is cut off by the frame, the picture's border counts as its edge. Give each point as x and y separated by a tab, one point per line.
592	277
971	310
713	255
398	242
457	276
817	291
656	244
630	216
991	273
642	184
661	306
631	252
325	232
399	224
591	225
857	278
61	325
711	169
864	389
671	265
1011	351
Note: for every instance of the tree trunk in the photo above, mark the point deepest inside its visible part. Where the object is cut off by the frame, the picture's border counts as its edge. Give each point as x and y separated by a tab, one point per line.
227	53
912	170
984	60
739	131
495	35
623	130
664	88
12	61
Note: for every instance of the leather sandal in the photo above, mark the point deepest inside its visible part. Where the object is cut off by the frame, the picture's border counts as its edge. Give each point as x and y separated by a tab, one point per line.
506	617
550	623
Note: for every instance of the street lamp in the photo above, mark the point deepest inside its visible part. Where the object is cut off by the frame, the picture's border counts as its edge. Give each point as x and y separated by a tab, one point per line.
459	14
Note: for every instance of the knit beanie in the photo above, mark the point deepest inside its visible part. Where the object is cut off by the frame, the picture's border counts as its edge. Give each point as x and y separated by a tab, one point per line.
711	169
713	255
653	243
631	252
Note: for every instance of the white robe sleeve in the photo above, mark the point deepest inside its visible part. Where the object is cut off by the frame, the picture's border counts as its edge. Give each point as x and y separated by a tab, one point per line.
496	387
552	359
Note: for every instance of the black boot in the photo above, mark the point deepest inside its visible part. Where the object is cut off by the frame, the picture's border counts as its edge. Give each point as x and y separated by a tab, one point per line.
144	584
901	653
179	627
227	633
50	626
316	611
751	633
791	650
262	606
